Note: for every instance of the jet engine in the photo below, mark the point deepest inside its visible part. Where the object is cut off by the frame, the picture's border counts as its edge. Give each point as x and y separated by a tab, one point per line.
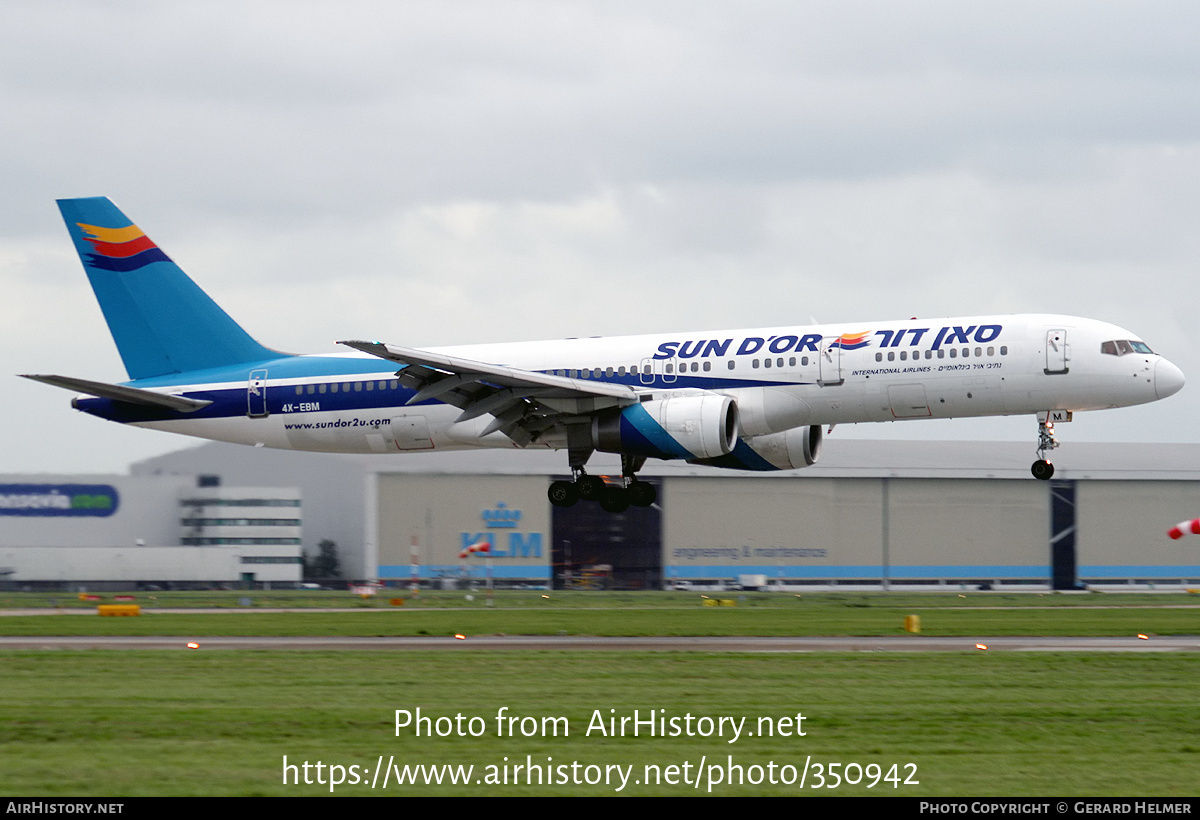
789	450
692	426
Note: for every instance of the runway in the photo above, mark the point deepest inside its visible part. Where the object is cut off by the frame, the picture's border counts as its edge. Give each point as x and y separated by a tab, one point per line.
905	643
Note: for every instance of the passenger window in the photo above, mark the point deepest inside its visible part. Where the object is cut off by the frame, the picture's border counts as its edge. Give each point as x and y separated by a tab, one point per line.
731	364
707	366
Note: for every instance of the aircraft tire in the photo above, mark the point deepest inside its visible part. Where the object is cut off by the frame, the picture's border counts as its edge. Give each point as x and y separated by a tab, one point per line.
590	487
641	494
1042	470
614	499
562	494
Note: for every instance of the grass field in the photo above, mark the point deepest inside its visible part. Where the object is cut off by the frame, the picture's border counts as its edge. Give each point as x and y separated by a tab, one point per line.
671	614
128	723
474	599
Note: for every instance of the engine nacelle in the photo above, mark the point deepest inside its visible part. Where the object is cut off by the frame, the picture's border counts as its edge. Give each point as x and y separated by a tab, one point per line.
789	450
694	426
764	410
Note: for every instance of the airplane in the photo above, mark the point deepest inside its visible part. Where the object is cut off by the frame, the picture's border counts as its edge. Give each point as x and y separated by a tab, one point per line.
754	399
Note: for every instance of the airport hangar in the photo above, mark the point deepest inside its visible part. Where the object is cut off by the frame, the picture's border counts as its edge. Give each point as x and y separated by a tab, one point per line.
869	514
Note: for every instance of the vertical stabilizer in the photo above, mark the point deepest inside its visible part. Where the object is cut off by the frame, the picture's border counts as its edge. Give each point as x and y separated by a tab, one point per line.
161	320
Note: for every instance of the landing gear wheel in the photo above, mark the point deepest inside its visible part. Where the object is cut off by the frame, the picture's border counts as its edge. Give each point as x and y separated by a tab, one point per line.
590	487
614	499
1042	470
562	494
641	493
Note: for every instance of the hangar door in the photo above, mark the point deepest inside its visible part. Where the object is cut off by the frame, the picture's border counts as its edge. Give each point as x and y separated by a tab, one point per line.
594	549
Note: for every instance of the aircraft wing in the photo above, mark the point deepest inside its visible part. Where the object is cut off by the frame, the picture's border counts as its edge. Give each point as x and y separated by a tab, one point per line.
523	402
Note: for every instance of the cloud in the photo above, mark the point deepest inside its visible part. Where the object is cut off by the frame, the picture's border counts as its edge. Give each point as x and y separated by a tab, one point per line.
438	173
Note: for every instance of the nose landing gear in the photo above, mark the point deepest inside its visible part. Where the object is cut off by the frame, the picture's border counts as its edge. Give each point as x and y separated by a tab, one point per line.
1042	469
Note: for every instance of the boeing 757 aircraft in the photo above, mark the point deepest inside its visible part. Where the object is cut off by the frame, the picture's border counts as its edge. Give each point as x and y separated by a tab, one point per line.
742	399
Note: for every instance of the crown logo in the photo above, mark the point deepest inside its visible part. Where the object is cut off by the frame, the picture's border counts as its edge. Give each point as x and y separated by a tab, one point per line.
501	517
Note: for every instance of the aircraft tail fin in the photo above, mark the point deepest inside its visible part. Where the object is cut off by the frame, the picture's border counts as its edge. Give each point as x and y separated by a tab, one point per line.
161	321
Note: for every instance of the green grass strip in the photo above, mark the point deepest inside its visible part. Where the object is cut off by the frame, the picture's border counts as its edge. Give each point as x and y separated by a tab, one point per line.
220	723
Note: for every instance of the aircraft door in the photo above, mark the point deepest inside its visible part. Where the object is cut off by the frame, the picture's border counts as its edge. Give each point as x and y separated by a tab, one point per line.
830	366
1056	352
647	371
256	395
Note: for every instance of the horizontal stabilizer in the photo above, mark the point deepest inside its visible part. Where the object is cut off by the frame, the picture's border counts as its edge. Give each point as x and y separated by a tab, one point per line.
117	392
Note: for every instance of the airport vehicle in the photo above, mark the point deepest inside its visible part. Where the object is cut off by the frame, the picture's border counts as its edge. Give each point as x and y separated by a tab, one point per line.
742	399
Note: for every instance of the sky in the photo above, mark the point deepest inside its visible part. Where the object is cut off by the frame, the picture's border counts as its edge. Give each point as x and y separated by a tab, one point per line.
434	173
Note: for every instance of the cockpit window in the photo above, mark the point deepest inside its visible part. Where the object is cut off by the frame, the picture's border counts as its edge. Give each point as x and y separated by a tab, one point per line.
1123	347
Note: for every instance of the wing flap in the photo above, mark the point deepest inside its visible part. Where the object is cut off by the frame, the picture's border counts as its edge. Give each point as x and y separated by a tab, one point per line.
494	374
524	404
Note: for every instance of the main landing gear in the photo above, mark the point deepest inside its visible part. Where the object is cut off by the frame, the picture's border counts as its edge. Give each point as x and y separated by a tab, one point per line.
1042	469
613	498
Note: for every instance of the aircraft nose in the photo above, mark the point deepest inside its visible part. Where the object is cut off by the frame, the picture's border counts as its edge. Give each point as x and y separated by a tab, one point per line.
1168	379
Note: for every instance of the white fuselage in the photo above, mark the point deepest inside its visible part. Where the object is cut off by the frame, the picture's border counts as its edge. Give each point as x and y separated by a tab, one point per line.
781	378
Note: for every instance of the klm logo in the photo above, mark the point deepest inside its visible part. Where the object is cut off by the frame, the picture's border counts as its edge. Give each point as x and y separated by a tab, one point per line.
501	517
517	545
